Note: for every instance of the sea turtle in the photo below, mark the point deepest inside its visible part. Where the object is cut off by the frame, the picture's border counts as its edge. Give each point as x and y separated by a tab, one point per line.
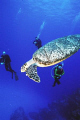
51	54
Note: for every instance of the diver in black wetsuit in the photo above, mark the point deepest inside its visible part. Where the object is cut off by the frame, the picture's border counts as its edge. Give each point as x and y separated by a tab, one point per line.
37	42
5	59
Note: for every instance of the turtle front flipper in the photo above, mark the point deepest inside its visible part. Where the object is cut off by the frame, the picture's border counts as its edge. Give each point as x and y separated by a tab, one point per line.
31	72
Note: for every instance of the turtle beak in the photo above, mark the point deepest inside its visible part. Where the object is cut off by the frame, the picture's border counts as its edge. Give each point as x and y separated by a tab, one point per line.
23	69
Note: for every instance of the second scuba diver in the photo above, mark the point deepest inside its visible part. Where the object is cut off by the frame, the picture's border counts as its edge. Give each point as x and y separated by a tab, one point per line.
37	42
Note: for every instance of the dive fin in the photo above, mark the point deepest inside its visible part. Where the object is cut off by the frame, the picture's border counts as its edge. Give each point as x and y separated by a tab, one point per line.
16	77
12	75
31	72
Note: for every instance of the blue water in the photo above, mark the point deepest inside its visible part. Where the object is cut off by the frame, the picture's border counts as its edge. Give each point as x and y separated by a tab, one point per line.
20	23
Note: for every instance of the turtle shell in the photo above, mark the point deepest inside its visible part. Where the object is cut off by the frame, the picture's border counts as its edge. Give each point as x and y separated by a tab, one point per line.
57	50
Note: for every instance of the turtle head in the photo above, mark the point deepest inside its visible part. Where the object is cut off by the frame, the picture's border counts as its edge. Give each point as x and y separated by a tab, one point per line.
24	67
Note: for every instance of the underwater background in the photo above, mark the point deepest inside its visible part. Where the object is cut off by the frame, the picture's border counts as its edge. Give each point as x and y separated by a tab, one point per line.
20	22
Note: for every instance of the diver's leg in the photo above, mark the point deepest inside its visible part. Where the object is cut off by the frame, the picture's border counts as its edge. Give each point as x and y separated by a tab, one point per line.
54	83
10	69
58	82
16	77
6	67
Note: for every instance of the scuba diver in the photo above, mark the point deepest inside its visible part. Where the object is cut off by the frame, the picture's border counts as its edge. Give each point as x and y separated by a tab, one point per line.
58	72
5	59
37	42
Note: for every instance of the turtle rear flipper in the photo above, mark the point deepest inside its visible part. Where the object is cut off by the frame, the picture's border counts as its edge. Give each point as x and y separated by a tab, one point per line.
31	72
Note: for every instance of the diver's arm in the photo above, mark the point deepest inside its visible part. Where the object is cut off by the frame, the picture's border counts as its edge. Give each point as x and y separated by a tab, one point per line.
2	61
35	42
63	72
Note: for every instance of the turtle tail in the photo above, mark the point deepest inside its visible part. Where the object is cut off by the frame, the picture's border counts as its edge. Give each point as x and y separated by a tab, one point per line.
31	72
